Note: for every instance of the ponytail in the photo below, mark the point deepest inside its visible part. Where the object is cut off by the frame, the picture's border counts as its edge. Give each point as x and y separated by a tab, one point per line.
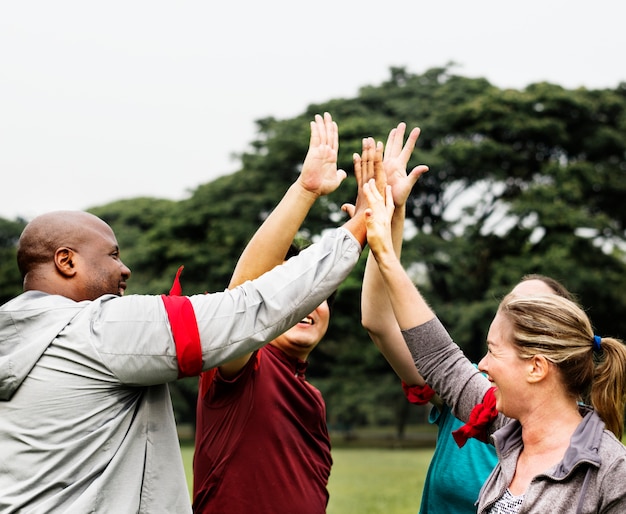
608	388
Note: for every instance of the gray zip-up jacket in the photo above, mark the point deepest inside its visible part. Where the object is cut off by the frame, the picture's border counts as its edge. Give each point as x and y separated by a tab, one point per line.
86	421
591	478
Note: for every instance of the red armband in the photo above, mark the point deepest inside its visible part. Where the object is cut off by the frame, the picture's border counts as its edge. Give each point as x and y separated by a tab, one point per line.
184	330
419	395
481	417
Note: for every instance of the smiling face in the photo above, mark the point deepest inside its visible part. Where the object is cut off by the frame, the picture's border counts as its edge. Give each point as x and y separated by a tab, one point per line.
302	338
73	254
504	368
97	260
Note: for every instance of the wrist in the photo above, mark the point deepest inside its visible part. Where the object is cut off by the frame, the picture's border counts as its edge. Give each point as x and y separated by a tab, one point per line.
399	212
304	193
387	259
356	226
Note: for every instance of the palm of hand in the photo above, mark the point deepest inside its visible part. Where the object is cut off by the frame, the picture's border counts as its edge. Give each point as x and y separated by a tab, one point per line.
395	171
378	220
319	171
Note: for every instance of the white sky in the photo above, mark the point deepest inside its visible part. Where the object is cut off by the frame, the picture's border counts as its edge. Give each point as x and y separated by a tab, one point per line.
101	101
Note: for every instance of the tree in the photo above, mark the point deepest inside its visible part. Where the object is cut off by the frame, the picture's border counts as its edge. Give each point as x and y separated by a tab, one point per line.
520	181
10	279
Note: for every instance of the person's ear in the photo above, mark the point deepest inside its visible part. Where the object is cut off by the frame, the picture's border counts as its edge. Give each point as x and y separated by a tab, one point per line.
64	261
538	368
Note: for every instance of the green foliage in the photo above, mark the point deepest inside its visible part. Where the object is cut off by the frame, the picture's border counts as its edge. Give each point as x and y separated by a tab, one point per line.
10	279
142	228
520	181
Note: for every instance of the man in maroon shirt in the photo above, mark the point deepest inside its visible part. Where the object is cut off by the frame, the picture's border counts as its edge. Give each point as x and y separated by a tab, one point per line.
261	437
262	443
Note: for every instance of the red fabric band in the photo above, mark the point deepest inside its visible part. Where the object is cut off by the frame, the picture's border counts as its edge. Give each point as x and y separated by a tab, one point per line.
419	395
184	330
206	379
481	417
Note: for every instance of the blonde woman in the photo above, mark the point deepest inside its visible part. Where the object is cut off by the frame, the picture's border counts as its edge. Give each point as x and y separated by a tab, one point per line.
544	363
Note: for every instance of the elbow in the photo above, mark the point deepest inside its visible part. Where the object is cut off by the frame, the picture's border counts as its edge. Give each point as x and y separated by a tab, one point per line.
369	320
370	325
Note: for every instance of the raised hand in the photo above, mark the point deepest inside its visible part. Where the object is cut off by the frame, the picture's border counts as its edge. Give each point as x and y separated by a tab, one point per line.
368	165
319	176
319	173
378	217
395	160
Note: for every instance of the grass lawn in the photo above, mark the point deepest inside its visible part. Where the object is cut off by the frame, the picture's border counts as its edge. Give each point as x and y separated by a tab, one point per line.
377	481
368	481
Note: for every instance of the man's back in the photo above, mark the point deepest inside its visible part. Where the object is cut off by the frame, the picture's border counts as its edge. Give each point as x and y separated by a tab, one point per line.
73	437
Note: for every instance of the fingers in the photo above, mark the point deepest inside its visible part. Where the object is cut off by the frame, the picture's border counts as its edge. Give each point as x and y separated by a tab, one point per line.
358	174
370	164
389	201
406	152
395	139
373	194
363	164
380	177
349	209
369	153
416	173
315	135
378	206
419	170
391	138
324	131
332	132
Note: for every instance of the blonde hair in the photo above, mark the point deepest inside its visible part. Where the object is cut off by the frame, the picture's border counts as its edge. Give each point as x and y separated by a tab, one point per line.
558	329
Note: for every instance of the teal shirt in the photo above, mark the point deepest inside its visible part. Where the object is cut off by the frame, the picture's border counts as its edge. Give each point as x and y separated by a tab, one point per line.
455	475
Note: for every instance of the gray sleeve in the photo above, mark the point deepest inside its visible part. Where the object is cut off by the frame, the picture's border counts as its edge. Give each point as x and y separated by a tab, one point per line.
445	367
134	336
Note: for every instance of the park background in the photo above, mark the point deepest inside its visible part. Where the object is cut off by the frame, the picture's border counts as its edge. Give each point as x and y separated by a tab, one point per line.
521	181
183	125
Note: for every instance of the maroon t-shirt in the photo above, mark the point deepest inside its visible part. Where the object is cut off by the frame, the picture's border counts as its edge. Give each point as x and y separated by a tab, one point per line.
262	444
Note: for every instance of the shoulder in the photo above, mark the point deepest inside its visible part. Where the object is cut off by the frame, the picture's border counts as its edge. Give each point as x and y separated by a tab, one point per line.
612	449
612	473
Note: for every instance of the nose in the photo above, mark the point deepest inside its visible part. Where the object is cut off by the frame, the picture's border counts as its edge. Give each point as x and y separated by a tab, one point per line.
125	271
482	365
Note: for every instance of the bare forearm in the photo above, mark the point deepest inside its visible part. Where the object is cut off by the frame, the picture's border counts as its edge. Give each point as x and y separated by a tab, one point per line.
378	316
270	243
377	313
393	347
408	305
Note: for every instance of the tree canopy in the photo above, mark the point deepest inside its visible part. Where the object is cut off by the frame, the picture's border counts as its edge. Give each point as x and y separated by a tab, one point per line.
520	181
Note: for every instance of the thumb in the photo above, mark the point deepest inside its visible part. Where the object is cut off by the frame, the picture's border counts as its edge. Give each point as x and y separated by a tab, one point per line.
416	173
349	209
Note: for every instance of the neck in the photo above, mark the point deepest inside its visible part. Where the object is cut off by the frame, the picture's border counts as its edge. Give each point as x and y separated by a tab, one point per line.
549	427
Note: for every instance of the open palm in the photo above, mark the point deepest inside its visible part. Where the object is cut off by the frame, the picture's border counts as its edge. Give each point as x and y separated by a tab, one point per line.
395	160
319	173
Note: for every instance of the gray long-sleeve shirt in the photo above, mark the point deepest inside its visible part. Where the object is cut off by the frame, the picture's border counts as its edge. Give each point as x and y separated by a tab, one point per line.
86	421
591	478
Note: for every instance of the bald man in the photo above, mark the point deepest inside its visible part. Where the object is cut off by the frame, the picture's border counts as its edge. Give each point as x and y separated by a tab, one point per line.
86	421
